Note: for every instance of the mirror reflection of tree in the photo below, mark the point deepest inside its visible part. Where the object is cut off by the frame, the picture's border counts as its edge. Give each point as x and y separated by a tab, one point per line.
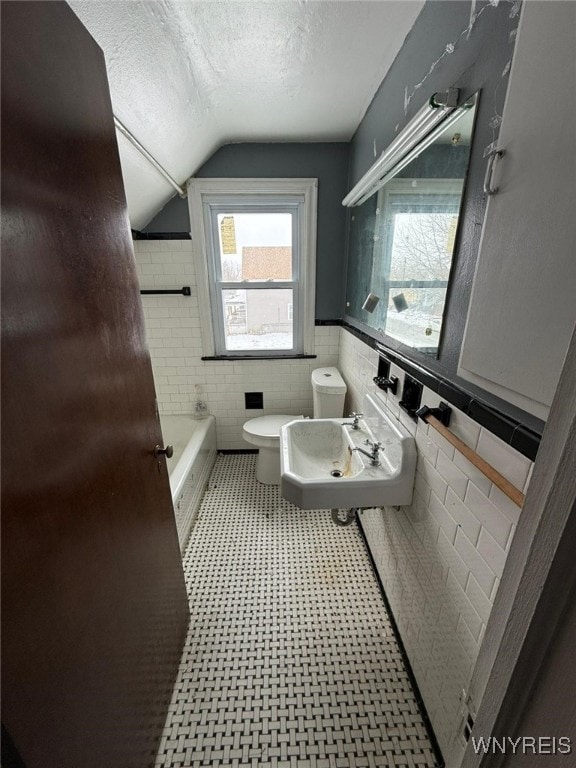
422	246
413	248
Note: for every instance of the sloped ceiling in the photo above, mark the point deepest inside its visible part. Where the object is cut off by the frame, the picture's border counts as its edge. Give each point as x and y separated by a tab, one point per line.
187	76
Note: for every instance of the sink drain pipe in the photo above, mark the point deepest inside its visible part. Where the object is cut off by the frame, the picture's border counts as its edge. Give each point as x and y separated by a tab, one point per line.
344	516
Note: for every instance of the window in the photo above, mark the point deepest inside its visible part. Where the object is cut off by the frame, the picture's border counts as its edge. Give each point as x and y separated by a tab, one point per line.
255	265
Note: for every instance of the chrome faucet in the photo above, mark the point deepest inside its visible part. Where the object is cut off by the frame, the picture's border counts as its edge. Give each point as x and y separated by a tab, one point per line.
373	456
354	424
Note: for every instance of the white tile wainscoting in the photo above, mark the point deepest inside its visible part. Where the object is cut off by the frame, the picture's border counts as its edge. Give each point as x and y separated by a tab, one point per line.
181	377
440	560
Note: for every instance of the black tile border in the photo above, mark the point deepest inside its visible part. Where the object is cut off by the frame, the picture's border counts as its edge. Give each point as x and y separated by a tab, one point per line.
523	439
137	235
242	358
440	763
494	422
368	340
454	395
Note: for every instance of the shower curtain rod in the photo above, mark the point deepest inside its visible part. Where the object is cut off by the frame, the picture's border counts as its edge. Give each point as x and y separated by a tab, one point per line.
144	152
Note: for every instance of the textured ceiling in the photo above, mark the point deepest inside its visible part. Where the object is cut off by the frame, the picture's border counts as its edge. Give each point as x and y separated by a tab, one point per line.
187	76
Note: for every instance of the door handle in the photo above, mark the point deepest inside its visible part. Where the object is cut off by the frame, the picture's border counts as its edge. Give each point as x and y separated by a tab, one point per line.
168	451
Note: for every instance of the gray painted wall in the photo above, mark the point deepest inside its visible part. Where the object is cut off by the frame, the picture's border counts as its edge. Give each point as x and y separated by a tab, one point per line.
479	61
328	162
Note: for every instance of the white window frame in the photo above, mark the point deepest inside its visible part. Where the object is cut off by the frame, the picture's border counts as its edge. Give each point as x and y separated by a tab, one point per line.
203	193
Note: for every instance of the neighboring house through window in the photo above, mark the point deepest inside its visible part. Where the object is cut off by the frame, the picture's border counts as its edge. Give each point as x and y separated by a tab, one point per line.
255	245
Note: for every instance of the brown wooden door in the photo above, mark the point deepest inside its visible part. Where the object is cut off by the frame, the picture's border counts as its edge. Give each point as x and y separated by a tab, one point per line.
93	596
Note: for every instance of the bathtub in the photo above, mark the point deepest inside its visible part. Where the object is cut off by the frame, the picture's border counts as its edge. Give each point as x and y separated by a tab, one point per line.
194	442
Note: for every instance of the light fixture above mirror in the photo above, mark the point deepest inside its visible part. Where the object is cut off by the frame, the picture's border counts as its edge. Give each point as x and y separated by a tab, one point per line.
411	141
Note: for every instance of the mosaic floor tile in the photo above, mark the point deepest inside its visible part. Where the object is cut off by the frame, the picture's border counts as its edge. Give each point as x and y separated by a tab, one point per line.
290	660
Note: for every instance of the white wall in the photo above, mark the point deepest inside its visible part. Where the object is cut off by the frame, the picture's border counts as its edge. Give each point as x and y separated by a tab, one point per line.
441	558
173	332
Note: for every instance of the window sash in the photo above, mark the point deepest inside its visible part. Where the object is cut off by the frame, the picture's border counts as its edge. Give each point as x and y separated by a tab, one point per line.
213	207
221	337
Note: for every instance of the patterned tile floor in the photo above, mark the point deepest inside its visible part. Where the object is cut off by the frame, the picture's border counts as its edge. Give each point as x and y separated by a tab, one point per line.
290	660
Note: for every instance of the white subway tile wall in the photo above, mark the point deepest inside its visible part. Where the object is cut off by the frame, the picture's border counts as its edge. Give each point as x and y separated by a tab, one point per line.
440	559
182	378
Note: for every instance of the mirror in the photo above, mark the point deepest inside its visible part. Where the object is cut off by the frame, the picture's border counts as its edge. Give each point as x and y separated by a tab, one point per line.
402	237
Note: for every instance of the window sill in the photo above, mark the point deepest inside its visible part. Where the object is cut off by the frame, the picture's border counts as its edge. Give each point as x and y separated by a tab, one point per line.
233	358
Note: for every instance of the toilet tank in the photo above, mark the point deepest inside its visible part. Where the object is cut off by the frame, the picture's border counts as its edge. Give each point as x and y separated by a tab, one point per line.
329	391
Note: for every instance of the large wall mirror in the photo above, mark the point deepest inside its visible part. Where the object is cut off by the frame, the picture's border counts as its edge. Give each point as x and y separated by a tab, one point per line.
404	223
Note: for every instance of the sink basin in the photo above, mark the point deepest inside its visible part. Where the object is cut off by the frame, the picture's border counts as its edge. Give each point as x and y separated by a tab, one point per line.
320	468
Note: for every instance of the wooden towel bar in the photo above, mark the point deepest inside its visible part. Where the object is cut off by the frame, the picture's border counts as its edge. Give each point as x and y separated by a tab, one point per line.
487	469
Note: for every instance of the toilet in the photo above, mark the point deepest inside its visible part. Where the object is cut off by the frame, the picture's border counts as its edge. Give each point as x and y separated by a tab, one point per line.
328	391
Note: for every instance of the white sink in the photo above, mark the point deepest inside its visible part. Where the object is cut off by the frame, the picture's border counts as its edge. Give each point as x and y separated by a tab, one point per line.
321	470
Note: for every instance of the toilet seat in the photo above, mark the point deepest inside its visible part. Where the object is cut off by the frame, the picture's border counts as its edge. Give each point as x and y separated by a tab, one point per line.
264	431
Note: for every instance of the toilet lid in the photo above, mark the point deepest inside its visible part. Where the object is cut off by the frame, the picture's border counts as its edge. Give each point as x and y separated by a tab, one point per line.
268	426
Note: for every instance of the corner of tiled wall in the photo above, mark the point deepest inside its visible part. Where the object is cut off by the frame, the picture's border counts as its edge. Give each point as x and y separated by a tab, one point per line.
181	376
440	559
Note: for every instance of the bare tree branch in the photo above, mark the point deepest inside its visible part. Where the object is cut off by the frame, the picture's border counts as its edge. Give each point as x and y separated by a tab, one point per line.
421	246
